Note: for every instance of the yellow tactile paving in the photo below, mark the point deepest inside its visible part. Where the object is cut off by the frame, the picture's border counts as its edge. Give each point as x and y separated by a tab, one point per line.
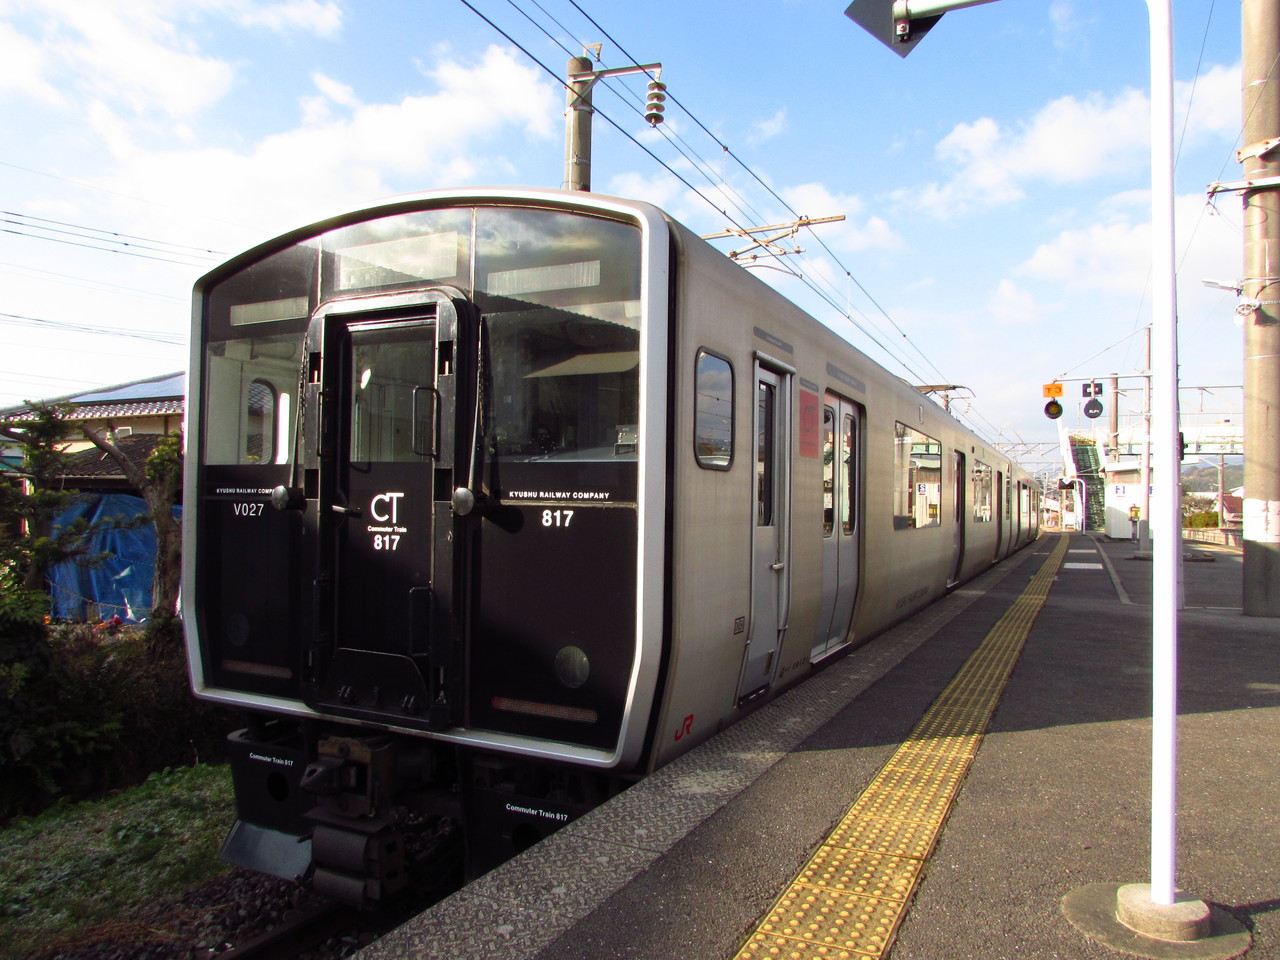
849	898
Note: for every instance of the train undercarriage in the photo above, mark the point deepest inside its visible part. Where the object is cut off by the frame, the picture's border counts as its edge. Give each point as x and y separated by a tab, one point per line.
364	817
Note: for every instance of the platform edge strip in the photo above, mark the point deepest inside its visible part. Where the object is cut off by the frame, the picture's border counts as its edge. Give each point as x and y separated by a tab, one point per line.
934	764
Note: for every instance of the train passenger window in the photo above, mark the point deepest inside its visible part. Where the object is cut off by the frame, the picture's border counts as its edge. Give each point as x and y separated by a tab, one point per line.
259	439
981	492
713	412
766	400
828	471
917	494
248	404
848	440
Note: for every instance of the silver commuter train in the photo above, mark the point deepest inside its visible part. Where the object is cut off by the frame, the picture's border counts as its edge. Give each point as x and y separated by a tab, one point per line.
498	500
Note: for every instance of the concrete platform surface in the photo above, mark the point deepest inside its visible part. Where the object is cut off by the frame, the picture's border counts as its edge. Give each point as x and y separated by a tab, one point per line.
685	864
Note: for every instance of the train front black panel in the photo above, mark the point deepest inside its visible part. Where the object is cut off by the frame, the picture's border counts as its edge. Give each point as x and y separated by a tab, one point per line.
553	643
252	609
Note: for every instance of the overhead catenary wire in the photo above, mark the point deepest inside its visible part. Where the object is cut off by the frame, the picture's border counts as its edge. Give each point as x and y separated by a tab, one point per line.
104	241
810	283
172	339
150	242
773	193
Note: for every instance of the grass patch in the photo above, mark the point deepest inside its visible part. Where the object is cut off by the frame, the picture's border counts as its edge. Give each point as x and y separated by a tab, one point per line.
79	864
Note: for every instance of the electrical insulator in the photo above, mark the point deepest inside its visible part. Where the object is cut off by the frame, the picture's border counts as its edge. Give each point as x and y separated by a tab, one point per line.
653	105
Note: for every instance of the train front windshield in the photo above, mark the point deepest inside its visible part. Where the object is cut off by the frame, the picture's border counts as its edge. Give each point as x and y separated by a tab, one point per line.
560	294
343	369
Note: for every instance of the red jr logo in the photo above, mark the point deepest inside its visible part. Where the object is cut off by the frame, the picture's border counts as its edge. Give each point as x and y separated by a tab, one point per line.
686	729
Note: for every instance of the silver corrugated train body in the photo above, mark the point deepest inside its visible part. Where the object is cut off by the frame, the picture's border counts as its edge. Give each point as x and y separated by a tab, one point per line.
499	500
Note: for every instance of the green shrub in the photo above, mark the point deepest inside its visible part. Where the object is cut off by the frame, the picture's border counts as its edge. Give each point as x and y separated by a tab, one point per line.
1201	518
89	708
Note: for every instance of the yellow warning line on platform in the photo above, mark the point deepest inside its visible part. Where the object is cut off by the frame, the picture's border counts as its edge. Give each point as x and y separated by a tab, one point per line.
850	897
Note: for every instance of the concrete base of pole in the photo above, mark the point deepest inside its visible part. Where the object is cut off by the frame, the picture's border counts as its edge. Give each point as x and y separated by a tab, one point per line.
1096	910
1184	920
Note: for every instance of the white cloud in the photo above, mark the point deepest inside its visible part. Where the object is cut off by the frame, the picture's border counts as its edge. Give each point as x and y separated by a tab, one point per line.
763	130
1102	256
339	93
324	19
856	232
138	55
1211	106
1065	21
1013	305
23	65
126	53
374	149
1071	139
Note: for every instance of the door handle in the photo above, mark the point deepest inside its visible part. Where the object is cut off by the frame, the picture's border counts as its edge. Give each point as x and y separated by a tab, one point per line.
777	566
431	448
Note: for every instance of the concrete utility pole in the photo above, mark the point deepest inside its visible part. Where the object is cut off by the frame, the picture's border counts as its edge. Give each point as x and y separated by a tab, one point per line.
1260	24
577	129
577	125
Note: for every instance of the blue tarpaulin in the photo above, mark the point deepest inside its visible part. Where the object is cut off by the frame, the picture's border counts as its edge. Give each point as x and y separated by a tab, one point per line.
120	585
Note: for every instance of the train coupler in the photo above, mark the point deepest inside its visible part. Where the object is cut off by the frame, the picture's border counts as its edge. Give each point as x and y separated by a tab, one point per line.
360	861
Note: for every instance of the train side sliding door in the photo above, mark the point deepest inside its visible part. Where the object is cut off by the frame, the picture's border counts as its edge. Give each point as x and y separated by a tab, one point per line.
841	521
771	537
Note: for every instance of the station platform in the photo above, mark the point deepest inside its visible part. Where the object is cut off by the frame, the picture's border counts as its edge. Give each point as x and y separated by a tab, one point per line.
866	800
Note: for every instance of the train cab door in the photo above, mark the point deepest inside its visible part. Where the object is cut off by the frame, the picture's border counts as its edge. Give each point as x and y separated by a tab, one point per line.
841	521
388	408
959	483
771	535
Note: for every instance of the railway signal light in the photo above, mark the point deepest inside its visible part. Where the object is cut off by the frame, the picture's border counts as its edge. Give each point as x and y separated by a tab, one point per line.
653	104
1053	409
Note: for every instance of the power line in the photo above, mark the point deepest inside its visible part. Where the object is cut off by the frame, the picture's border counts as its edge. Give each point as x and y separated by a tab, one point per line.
166	338
613	123
806	280
814	285
213	254
728	152
90	246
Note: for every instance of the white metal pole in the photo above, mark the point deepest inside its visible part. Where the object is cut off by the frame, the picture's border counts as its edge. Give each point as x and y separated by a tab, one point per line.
1166	516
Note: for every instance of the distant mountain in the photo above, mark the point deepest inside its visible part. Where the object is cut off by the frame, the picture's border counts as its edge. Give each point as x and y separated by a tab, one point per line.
1204	478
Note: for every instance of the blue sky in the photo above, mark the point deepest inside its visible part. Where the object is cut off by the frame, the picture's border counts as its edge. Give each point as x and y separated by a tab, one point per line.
994	182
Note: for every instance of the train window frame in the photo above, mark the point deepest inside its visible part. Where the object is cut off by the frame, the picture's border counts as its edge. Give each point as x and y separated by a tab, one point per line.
829	471
982	492
236	372
260	430
906	491
707	458
767	411
849	441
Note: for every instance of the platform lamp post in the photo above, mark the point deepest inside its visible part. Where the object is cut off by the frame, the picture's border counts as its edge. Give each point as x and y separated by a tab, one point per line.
1155	913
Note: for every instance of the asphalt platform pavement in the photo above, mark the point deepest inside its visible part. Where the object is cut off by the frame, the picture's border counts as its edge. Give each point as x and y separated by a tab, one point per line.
1056	800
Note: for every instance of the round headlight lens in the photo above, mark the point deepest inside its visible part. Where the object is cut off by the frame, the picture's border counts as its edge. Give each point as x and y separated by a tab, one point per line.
572	667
